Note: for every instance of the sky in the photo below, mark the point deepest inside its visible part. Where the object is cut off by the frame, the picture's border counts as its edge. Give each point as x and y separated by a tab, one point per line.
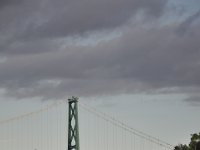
135	58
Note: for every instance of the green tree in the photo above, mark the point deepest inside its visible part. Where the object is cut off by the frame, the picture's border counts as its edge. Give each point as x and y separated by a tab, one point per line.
195	140
193	145
181	147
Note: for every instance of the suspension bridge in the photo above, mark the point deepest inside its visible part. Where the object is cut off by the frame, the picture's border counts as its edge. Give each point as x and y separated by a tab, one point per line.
67	125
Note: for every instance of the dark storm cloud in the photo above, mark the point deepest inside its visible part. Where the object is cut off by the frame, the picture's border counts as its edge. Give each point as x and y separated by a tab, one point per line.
39	61
33	20
139	60
4	3
86	15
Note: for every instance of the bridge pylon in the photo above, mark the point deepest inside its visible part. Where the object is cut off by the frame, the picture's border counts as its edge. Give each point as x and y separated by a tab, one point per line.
73	127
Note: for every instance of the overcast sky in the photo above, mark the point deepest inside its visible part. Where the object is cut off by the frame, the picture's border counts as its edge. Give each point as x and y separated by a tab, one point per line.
145	50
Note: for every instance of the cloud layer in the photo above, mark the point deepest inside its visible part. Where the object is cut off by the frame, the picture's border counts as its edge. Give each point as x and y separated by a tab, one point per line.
51	49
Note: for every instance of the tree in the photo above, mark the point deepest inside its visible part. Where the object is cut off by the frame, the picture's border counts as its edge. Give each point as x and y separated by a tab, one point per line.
181	147
193	145
198	146
195	139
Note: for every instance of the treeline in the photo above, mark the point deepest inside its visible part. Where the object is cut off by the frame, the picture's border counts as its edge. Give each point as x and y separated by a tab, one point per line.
193	145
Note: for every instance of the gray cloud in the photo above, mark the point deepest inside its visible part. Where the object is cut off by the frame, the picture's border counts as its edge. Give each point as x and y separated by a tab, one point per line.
138	60
92	15
39	60
188	22
33	20
194	100
4	3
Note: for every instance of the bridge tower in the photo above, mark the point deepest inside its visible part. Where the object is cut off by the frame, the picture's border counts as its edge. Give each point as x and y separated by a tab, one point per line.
73	129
